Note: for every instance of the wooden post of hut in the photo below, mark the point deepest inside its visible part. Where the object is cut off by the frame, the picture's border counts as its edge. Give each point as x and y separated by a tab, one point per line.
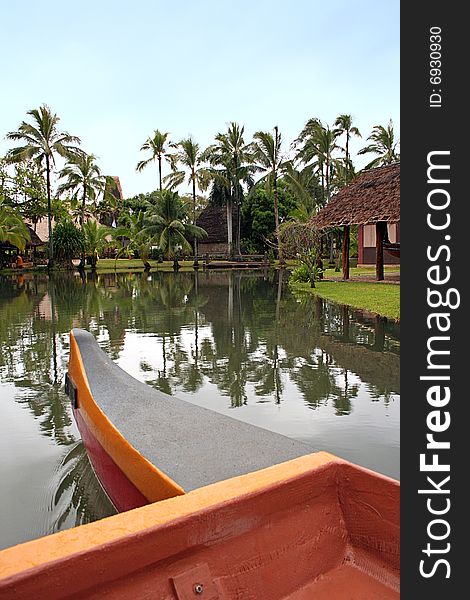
379	248
346	252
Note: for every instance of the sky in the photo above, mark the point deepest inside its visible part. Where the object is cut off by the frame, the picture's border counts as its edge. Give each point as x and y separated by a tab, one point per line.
114	71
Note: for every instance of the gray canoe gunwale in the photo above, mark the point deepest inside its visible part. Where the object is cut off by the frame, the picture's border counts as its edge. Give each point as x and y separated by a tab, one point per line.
193	445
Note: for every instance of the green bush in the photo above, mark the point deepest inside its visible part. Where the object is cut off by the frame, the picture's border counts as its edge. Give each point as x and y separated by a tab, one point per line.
68	241
156	253
309	269
300	274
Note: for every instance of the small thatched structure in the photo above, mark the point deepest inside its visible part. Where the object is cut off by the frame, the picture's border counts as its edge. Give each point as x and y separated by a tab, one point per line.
372	197
213	220
34	239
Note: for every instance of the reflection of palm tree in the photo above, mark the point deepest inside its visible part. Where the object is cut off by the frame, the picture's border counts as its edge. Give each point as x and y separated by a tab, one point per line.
342	402
78	490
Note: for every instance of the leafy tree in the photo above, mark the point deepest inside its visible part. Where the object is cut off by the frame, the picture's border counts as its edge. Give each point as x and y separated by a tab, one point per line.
5	179
298	238
140	202
383	144
158	146
42	141
69	242
12	228
258	213
83	179
30	193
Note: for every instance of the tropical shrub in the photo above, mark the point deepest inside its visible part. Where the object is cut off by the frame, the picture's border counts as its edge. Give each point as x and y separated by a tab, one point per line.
297	238
12	228
300	274
309	270
69	242
95	241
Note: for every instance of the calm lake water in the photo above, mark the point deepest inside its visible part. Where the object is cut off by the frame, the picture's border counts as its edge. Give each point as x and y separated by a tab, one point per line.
237	342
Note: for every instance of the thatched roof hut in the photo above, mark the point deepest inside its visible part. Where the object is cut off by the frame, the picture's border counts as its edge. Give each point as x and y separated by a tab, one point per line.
372	197
34	240
213	219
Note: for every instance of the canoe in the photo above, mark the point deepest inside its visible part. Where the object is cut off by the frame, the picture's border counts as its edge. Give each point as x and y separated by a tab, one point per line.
288	524
147	446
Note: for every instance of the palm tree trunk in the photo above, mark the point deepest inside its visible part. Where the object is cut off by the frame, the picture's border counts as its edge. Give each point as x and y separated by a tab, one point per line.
49	213
327	179
239	227
322	174
229	227
82	216
194	218
237	204
348	164
160	171
276	219
81	266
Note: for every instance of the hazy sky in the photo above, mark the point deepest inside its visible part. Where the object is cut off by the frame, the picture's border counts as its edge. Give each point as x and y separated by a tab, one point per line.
116	70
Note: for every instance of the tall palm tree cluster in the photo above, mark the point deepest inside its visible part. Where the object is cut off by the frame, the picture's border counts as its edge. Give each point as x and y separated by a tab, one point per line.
231	169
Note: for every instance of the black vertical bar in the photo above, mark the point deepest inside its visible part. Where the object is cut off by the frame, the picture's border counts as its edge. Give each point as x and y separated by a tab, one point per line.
434	131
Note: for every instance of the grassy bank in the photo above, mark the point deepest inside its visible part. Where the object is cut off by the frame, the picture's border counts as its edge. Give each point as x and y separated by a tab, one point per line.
380	298
133	264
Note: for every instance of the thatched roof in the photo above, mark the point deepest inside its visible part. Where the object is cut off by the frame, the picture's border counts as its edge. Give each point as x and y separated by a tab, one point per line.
214	220
372	196
115	190
34	240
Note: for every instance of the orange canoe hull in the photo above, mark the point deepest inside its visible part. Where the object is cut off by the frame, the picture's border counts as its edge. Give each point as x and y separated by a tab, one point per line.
315	526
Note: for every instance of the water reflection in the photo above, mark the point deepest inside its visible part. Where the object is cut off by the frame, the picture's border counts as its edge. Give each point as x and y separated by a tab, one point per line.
237	342
78	495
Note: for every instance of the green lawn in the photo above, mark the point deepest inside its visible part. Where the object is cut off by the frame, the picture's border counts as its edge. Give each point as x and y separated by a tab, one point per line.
368	271
380	298
124	264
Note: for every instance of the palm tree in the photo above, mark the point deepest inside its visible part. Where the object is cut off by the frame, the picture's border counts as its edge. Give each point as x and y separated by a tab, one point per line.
158	146
190	157
384	145
231	162
305	187
131	236
83	176
42	141
166	224
12	228
317	145
344	125
268	160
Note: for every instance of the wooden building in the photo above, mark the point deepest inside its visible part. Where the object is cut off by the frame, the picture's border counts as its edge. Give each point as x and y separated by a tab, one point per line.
371	201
